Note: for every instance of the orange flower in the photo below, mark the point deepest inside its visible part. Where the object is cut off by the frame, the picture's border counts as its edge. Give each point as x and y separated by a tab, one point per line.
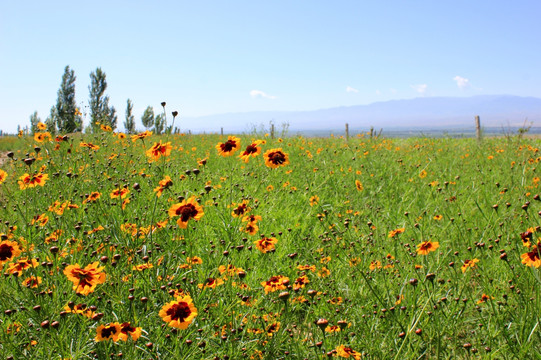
272	328
8	251
275	158
21	264
395	232
142	267
426	247
127	331
3	176
347	352
85	280
92	197
194	260
111	331
179	313
210	283
375	264
230	270
141	136
469	264
300	282
275	283
79	309
229	147
250	228
332	328
358	185
41	137
32	282
265	244
186	210
29	181
163	184
41	126
532	258
252	150
158	150
526	237
241	209
314	200
40	220
121	192
251	219
89	145
484	298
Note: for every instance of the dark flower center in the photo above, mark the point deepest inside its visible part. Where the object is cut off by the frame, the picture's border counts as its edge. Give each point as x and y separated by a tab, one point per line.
179	311
6	252
241	209
187	212
228	146
108	331
277	158
250	149
127	328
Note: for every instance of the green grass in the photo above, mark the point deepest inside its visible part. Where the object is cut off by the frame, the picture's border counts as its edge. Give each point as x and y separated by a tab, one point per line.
411	306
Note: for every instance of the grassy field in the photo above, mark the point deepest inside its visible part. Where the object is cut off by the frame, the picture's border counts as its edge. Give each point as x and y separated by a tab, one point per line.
176	247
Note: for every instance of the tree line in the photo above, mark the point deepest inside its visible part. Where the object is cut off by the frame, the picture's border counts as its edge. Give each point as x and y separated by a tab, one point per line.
66	117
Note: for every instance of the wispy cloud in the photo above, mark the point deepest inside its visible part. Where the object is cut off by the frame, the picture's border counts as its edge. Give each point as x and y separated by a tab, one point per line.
350	89
461	82
421	88
261	94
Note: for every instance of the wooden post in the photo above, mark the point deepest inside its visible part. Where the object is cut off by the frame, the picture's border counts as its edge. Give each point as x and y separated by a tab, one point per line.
347	131
272	131
478	128
371	132
222	131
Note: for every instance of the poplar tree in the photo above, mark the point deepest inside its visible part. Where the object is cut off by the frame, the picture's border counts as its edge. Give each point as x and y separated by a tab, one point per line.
100	112
129	124
159	124
65	114
34	120
148	117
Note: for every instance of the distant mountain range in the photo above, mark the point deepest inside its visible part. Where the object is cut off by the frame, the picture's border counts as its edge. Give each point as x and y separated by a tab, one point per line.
426	112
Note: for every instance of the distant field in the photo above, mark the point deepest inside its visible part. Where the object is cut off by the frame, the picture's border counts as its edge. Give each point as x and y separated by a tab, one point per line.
180	247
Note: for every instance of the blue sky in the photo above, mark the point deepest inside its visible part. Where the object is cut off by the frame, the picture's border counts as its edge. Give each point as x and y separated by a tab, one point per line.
209	57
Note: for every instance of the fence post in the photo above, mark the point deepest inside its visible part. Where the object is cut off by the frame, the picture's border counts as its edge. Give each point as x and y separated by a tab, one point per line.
222	131
478	128
347	131
272	131
371	132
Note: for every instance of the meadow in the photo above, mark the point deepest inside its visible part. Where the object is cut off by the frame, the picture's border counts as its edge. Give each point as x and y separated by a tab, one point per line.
248	247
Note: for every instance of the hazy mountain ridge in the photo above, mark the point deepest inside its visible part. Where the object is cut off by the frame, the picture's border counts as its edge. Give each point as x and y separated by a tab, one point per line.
432	112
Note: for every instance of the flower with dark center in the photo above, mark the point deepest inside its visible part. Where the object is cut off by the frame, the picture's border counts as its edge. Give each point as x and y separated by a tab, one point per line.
179	313
186	210
275	158
229	147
